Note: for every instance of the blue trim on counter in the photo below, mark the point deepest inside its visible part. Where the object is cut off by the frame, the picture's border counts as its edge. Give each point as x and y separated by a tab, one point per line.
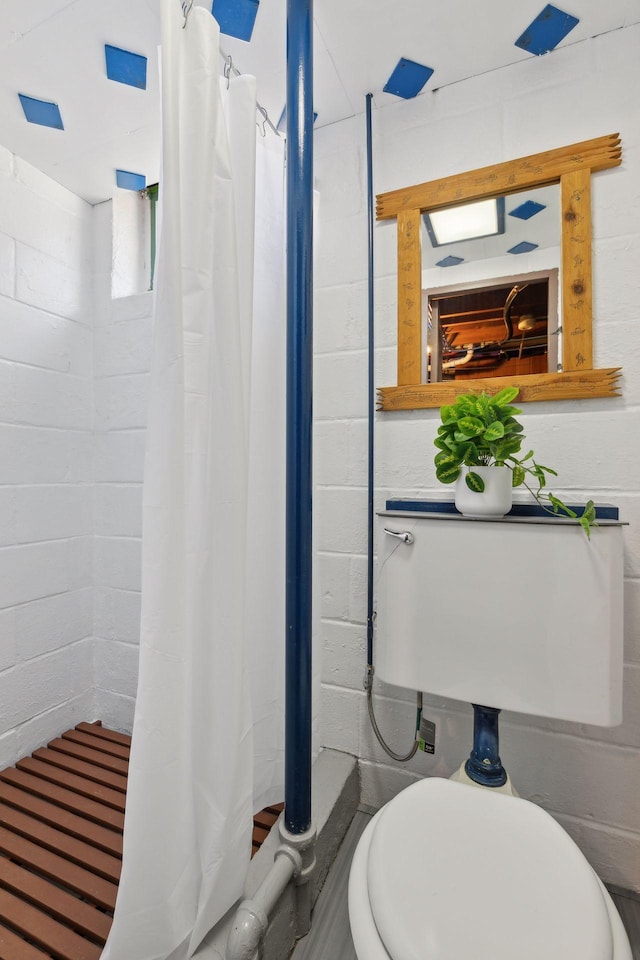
604	511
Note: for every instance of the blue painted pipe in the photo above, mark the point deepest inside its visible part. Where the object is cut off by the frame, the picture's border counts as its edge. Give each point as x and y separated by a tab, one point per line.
299	414
484	765
371	412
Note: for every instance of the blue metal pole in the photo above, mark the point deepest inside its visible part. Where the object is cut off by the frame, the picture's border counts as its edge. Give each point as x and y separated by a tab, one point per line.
371	412
299	414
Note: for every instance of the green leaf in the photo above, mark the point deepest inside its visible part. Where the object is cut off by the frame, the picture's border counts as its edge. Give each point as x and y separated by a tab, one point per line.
560	507
448	413
539	475
470	426
448	473
508	412
471	454
513	443
474	481
484	405
588	518
505	396
493	432
446	457
586	525
505	448
513	427
518	476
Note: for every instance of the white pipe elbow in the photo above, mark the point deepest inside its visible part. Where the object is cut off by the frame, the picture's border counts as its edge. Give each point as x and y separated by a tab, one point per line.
249	926
252	916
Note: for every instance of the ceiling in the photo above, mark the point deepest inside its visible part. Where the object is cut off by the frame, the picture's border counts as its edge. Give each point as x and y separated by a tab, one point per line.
54	50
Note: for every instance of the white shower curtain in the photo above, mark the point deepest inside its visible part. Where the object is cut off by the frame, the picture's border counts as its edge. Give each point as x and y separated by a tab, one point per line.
212	624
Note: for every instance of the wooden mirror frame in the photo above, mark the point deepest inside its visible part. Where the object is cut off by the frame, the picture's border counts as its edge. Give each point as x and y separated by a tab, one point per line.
569	166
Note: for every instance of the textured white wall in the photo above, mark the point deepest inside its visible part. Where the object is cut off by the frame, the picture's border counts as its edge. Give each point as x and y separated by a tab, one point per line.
122	354
131	243
73	366
46	503
588	777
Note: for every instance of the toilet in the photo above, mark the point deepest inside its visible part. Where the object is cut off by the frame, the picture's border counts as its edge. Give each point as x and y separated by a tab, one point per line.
446	871
454	869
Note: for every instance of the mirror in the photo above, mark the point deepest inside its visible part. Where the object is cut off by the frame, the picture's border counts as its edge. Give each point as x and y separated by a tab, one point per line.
570	168
499	317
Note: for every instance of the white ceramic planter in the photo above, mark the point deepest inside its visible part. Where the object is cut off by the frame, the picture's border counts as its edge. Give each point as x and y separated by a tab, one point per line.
495	500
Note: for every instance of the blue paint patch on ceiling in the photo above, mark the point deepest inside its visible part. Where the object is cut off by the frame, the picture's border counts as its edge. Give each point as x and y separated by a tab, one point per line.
44	112
450	261
527	210
407	79
546	31
126	67
236	17
130	181
282	122
523	247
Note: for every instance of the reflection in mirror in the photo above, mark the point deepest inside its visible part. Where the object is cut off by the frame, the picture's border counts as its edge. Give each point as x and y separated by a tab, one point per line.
484	326
524	226
503	329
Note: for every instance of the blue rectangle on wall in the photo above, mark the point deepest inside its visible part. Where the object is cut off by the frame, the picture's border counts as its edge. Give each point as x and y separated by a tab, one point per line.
43	112
236	17
127	180
546	31
408	79
126	67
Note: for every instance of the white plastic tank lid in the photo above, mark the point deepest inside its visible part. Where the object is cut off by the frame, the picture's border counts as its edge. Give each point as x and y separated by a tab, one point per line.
460	872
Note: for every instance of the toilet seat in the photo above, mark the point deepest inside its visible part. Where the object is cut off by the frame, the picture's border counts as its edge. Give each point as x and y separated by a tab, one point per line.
449	871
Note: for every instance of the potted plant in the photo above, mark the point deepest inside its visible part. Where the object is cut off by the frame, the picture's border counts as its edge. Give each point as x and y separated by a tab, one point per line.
479	443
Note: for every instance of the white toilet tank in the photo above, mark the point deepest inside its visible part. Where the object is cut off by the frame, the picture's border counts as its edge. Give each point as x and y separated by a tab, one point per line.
520	614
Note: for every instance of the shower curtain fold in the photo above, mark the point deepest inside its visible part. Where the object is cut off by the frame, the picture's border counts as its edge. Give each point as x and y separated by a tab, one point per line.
203	659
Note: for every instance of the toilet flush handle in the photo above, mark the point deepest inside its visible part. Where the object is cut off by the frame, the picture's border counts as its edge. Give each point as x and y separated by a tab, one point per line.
403	535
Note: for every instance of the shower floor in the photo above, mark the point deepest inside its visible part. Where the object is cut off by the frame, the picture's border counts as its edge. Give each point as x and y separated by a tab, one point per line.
61	823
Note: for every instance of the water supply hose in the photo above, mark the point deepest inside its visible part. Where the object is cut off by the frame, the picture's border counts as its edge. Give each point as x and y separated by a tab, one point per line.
402	758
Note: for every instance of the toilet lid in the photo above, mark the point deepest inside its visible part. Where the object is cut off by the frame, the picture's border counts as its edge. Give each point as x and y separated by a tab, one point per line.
459	872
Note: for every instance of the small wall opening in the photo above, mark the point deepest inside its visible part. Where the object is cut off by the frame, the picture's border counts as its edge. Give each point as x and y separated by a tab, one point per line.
131	269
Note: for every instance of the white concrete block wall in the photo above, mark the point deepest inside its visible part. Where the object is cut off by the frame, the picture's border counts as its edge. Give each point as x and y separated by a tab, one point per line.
122	354
46	498
585	776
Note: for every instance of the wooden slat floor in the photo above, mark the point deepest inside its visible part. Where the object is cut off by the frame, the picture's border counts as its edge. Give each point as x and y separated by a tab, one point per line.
61	824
